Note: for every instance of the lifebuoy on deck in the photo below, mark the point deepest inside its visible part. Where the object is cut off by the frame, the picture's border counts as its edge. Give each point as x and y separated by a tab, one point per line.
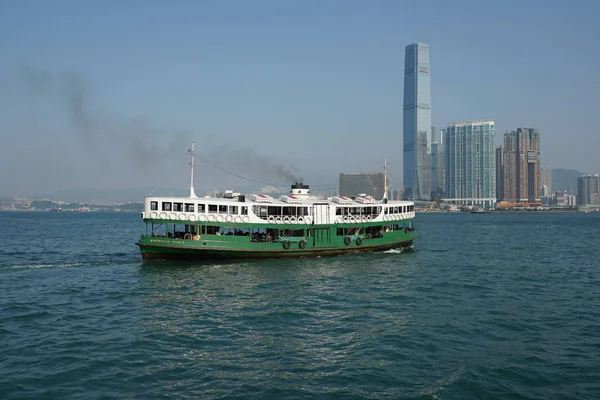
300	220
173	216
363	219
182	217
293	220
347	240
229	218
187	236
245	219
163	215
286	244
358	241
220	218
308	220
346	219
278	220
153	215
211	218
193	217
202	218
286	220
271	219
302	244
237	219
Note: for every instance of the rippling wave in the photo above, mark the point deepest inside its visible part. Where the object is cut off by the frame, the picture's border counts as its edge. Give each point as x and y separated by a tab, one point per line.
484	306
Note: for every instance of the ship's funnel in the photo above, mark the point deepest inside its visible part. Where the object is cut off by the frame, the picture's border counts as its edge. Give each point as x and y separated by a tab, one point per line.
300	190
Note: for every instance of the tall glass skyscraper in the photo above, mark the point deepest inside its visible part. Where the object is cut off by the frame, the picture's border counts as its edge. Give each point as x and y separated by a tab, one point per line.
417	123
471	163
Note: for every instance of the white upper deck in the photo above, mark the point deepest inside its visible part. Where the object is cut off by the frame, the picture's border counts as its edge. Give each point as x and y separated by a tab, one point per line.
296	207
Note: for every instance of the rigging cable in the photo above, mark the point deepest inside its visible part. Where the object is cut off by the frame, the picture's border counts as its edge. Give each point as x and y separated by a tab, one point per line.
173	173
236	175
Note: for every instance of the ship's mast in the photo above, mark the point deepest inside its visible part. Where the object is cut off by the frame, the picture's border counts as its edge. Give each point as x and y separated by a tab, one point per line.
385	181
192	154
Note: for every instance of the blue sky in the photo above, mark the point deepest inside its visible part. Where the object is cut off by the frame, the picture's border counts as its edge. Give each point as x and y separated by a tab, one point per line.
314	86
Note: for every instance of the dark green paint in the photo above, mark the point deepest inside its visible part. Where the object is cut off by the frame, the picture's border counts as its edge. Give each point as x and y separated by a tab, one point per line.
322	241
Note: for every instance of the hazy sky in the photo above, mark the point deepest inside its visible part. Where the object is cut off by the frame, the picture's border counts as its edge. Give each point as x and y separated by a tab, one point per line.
108	94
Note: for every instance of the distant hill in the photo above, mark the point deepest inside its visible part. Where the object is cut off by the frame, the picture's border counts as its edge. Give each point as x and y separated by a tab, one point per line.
562	178
101	196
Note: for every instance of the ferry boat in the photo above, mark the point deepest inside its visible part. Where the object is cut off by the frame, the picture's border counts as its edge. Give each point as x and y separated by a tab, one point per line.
237	226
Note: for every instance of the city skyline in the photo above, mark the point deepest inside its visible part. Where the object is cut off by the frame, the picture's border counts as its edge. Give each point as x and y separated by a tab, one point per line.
93	96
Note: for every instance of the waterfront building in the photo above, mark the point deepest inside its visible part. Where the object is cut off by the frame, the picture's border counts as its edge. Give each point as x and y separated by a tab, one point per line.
546	195
470	163
546	178
588	190
369	183
522	165
564	199
438	170
417	123
500	173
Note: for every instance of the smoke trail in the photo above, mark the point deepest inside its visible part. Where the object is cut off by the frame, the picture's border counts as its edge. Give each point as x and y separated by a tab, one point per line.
248	163
139	140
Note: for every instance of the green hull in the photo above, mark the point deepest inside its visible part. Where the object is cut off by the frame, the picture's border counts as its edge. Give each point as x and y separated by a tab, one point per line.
323	241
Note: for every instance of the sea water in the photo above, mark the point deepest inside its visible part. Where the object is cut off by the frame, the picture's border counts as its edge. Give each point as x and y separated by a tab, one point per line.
489	306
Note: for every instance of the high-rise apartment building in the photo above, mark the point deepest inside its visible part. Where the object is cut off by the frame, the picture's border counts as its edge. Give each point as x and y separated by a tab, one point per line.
588	190
546	178
471	163
500	173
417	123
438	170
522	165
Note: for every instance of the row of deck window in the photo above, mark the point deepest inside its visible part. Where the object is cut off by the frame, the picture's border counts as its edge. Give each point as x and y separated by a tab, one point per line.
202	208
360	211
399	209
181	231
266	211
279	211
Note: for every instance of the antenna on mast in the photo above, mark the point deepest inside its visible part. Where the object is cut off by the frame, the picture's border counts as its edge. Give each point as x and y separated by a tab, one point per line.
192	154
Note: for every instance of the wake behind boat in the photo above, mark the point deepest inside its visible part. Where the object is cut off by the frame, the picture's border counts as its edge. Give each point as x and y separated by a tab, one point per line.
259	226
